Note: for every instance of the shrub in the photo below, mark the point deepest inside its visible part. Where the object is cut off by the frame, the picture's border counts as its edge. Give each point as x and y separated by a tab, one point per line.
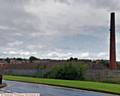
69	71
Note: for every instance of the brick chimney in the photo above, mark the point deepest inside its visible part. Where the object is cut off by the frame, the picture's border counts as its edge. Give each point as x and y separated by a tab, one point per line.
112	64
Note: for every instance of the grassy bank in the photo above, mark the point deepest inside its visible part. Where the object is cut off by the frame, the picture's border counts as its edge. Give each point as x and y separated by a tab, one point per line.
93	86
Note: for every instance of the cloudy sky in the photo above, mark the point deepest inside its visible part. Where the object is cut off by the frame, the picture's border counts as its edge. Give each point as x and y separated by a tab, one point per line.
57	28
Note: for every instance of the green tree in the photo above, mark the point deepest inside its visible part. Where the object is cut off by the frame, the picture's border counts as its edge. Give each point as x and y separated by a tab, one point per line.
70	70
19	59
71	58
32	58
7	60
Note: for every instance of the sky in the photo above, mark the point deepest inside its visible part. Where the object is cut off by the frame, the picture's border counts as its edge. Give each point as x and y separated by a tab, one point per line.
57	29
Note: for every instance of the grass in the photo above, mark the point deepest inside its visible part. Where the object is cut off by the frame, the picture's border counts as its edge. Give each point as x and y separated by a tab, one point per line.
86	85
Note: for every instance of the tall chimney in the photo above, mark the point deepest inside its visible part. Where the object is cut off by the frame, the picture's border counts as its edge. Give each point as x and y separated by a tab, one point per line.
113	64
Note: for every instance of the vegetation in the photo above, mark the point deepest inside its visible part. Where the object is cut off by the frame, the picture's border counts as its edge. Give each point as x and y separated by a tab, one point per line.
72	59
68	71
41	71
19	59
95	86
7	60
32	58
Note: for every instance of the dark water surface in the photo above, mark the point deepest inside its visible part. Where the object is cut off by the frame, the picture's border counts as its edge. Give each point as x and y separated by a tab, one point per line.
45	90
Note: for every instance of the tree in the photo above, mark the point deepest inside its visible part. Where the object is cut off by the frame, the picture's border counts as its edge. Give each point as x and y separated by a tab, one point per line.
32	58
71	58
19	59
76	59
7	60
68	70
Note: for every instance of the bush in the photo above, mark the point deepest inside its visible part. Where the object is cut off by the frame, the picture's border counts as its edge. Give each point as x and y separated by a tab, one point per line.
69	71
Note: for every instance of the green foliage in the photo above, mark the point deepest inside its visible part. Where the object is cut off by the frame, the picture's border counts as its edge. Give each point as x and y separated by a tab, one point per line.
73	59
69	71
41	67
41	71
19	59
7	60
32	58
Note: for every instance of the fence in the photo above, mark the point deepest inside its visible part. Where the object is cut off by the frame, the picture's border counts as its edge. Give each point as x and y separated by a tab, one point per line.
103	75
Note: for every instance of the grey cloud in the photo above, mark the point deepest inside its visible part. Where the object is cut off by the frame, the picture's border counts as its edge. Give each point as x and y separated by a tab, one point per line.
44	27
68	2
110	5
13	15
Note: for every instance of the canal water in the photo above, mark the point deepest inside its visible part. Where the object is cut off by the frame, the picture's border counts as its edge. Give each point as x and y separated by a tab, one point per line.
46	90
